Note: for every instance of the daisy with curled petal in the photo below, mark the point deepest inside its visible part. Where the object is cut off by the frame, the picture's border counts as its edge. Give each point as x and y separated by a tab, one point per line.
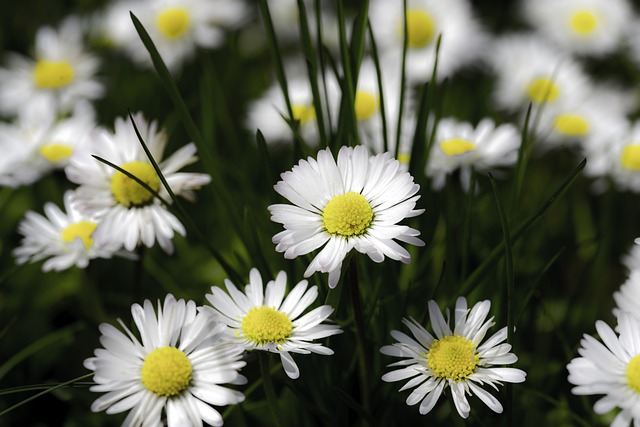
175	367
64	239
461	146
61	74
129	213
266	320
612	368
354	203
456	358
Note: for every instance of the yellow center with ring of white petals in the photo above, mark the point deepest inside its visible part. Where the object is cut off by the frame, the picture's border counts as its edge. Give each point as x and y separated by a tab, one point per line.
453	357
347	215
543	90
166	371
129	192
52	74
173	23
82	230
264	325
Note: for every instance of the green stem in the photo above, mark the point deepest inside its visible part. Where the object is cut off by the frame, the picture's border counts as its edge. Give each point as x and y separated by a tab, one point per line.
358	315
269	391
42	393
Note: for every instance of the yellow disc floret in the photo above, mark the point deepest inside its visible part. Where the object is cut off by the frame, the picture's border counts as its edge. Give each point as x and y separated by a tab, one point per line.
543	90
128	192
173	23
420	28
166	371
81	230
583	22
347	215
52	74
630	158
633	374
569	124
264	325
55	152
456	146
453	357
365	105
303	113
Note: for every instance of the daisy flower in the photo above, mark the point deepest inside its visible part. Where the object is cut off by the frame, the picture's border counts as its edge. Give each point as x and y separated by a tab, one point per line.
175	367
129	214
61	74
179	27
529	70
456	359
460	146
591	27
63	238
462	37
631	260
627	298
39	142
266	320
354	203
269	114
611	368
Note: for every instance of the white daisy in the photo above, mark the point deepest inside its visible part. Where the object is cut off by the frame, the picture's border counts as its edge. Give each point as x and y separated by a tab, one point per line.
269	114
462	37
179	27
456	359
529	70
627	298
355	203
616	156
270	322
63	238
460	146
176	367
129	214
611	368
61	74
591	27
631	260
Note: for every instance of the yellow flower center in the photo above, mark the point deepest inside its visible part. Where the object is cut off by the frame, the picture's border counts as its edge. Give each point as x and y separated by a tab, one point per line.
456	146
365	105
583	22
303	113
404	158
568	124
55	152
80	230
173	23
630	158
633	374
264	325
453	357
348	214
420	28
166	371
52	74
543	90
128	192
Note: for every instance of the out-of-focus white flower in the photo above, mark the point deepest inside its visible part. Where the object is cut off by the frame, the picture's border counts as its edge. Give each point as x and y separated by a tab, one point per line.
61	74
462	37
591	27
460	146
529	70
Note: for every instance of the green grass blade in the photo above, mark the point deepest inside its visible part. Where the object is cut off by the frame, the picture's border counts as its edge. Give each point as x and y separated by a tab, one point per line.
348	114
376	63
358	34
312	71
403	75
521	163
522	229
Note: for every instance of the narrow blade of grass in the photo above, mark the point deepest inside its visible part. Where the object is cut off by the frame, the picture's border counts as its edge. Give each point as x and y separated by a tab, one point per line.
383	111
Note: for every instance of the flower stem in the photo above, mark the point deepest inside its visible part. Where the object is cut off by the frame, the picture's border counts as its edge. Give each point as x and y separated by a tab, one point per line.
269	391
358	315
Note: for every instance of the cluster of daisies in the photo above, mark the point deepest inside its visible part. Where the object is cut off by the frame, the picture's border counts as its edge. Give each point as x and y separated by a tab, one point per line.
176	365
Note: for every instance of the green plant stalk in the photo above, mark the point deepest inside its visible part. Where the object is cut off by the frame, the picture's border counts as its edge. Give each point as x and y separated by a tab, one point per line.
403	76
358	315
312	71
466	227
508	256
348	113
269	391
42	393
497	252
383	111
357	39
